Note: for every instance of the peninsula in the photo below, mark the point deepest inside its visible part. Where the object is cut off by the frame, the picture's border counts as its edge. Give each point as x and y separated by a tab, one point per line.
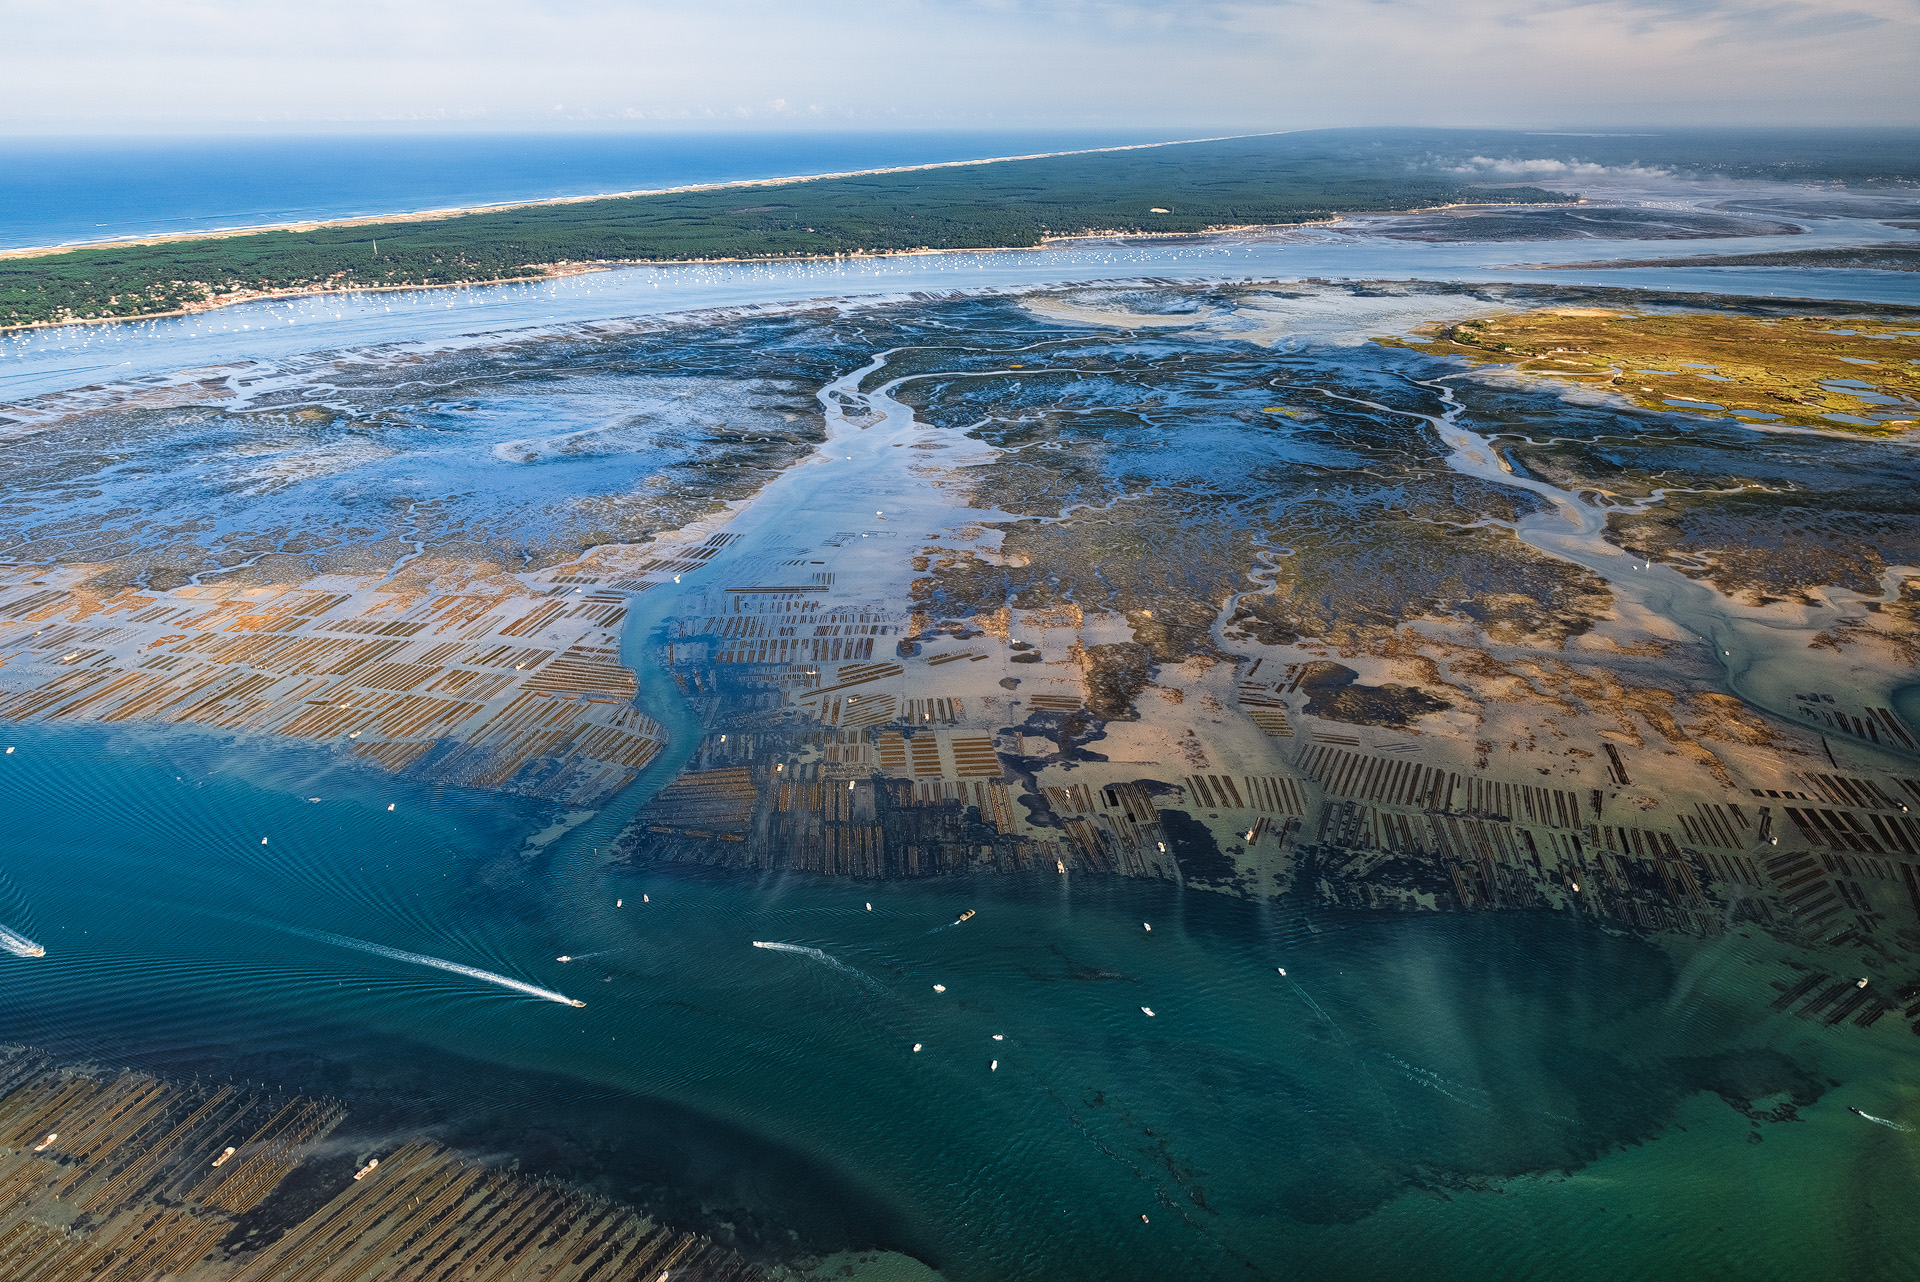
1177	188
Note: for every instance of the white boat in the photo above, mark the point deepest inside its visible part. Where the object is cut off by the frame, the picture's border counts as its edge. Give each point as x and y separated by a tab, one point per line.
366	1170
46	1143
222	1159
1147	1011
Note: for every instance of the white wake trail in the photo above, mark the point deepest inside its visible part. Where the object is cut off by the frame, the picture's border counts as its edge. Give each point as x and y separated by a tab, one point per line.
817	955
438	963
19	945
1883	1121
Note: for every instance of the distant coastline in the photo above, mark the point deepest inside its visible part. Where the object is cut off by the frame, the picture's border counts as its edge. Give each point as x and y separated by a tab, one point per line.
1162	189
459	211
561	271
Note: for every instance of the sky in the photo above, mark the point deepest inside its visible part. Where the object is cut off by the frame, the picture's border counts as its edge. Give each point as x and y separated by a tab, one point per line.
217	65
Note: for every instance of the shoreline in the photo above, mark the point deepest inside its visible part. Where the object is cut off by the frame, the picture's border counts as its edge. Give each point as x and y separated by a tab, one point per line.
558	271
432	215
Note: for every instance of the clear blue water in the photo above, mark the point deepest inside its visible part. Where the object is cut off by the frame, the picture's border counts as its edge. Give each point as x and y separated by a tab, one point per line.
57	191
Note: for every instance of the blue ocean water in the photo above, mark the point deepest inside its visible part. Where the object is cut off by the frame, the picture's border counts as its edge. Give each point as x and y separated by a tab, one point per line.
56	191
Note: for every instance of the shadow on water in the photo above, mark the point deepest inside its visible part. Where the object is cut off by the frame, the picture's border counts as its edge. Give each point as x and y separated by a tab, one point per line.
680	1165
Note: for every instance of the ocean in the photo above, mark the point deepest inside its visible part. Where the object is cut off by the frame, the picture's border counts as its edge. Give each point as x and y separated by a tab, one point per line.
59	191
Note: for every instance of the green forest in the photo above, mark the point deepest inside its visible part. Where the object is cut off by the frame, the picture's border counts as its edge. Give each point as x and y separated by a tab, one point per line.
1287	178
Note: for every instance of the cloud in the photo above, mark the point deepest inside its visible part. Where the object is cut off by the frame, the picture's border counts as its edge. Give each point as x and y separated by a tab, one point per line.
1486	166
179	64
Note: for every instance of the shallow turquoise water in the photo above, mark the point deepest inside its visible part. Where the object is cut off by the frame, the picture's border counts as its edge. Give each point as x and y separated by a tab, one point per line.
1265	1126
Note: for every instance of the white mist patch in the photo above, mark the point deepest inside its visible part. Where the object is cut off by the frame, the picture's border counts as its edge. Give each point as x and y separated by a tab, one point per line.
438	963
1545	167
613	416
1080	313
1290	316
19	945
291	466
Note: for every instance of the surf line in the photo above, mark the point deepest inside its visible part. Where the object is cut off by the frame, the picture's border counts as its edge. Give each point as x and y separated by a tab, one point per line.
438	963
19	945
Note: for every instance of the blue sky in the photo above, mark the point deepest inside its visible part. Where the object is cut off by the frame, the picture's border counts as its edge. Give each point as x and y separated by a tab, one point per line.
118	65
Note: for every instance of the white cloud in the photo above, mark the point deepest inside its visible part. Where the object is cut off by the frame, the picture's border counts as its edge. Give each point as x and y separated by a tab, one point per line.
1281	63
1487	166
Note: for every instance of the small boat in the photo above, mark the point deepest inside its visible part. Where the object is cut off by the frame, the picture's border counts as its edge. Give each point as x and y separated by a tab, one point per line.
869	907
1147	927
994	1067
366	1170
1861	984
965	916
46	1143
916	1048
222	1159
646	899
563	958
1281	969
1147	1011
939	988
999	1037
1061	866
619	903
578	1004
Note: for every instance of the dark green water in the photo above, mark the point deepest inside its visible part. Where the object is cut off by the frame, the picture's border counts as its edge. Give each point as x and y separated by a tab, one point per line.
1452	1095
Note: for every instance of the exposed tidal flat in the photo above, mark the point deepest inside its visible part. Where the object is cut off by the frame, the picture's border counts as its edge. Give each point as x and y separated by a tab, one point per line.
1162	603
33	361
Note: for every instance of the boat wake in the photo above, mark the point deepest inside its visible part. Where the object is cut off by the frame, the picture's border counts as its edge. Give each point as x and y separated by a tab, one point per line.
820	956
438	963
19	945
1887	1122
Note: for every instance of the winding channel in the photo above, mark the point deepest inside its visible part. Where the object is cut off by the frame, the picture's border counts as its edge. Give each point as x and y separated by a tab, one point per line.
1762	653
